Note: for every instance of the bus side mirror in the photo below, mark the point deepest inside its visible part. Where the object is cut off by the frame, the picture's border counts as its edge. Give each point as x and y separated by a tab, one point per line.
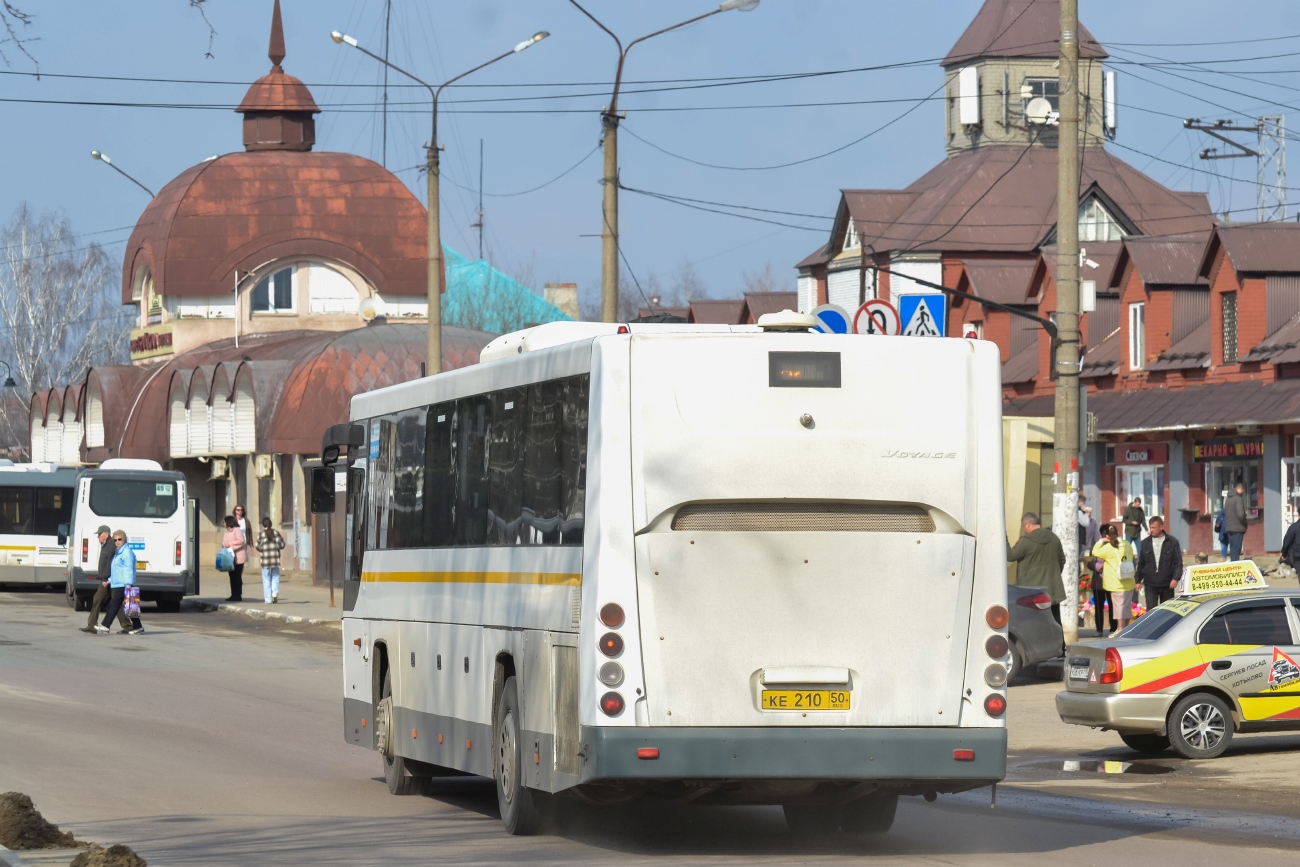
330	456
322	490
63	534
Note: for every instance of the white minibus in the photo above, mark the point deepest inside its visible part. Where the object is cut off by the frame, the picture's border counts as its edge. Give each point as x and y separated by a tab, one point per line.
35	499
727	564
150	505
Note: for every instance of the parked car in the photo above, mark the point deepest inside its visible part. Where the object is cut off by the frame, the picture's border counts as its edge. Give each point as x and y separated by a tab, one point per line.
1035	636
1191	673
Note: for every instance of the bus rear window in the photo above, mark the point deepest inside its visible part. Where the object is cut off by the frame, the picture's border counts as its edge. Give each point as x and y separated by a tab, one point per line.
133	498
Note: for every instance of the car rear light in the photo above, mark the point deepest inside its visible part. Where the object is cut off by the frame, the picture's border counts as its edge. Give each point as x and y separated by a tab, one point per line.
997	646
995	705
611	644
611	674
1041	601
612	615
647	753
178	553
85	550
996	675
611	703
964	755
997	617
1114	670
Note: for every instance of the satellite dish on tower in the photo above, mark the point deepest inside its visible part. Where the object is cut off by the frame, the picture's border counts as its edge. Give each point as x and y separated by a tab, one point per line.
1038	110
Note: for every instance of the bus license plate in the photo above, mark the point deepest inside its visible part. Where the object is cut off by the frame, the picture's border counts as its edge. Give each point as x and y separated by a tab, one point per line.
805	699
141	566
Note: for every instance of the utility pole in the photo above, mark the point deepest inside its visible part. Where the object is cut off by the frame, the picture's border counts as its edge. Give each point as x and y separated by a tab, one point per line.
479	224
1065	498
1269	154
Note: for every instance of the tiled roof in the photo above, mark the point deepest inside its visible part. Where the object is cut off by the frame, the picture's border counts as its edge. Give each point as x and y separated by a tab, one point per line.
714	312
1103	359
1003	280
1280	347
1257	247
758	303
1190	353
1171	260
1021	367
1018	28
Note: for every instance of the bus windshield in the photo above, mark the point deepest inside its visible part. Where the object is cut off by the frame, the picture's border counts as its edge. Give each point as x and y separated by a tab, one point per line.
133	498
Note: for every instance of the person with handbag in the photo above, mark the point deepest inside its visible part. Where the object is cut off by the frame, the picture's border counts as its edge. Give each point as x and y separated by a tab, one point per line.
121	576
102	594
233	538
1117	573
269	545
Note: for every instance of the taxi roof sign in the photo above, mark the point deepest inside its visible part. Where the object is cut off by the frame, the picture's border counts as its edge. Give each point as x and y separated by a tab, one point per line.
1218	577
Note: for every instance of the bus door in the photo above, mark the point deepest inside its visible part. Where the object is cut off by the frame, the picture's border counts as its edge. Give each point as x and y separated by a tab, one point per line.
192	539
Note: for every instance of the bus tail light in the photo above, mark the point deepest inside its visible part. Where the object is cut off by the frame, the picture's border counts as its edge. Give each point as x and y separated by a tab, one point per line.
178	553
85	550
647	752
612	615
996	646
1114	670
611	644
964	755
995	705
1041	601
611	703
997	617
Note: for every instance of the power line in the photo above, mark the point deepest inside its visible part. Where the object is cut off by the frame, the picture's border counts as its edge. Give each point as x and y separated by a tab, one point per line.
530	189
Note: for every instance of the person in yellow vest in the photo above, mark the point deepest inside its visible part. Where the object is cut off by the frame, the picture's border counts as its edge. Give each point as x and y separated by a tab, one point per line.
1117	573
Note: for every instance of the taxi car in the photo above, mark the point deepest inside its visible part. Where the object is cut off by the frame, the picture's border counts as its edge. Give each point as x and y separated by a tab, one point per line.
1192	672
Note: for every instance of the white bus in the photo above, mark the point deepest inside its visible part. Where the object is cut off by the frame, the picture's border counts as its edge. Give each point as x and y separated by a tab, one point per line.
725	564
35	499
150	505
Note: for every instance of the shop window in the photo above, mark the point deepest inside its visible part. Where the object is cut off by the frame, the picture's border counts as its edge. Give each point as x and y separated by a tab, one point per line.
274	293
1229	327
1221	478
1137	336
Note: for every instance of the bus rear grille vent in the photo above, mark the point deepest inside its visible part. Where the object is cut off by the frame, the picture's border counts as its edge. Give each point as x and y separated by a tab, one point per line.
804	517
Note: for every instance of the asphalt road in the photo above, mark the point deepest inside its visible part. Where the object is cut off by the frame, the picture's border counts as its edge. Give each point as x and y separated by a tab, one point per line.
213	740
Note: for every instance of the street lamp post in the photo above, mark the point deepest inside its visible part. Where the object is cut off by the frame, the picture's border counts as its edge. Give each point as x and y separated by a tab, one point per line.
434	227
609	120
103	158
9	375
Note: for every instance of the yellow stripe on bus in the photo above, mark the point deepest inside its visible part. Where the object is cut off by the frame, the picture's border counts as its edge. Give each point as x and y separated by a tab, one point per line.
17	547
545	579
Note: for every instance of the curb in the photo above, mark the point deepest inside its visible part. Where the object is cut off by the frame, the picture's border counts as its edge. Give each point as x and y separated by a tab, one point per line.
259	614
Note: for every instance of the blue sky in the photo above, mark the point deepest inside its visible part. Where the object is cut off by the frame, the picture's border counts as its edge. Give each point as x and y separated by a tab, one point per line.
540	236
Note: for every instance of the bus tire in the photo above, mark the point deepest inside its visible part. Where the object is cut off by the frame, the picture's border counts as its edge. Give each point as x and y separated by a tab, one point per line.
399	779
873	814
807	820
521	808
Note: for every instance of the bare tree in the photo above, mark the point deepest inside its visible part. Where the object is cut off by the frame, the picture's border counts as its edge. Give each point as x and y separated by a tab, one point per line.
687	285
764	280
14	21
58	313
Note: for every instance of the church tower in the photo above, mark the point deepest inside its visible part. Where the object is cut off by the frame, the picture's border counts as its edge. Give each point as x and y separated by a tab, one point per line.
1006	58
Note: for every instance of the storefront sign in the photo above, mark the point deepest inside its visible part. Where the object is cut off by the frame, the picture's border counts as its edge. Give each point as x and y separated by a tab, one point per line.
1142	453
151	342
1216	577
1228	450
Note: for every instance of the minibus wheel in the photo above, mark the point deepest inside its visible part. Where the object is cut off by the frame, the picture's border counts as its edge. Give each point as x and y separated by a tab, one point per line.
873	814
521	808
400	780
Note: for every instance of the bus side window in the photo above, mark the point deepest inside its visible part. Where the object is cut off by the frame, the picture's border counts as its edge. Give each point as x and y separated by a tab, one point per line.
356	539
439	477
505	458
473	415
574	459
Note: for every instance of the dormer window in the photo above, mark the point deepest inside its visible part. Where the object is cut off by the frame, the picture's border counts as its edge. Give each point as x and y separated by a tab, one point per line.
1098	224
1047	88
851	239
274	293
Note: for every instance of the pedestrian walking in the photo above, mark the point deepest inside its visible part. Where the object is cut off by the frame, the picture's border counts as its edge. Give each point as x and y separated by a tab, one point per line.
1160	564
1117	573
1090	535
121	576
1135	520
269	545
1041	560
234	539
1234	520
102	593
1221	531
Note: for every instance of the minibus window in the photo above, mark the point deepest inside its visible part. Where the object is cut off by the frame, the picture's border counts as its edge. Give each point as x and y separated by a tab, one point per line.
15	511
133	498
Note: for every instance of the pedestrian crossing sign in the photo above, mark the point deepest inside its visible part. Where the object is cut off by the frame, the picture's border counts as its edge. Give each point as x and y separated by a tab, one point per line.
923	315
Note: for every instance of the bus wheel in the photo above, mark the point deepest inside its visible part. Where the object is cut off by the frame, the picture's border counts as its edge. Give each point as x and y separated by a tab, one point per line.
399	779
807	820
873	814
520	806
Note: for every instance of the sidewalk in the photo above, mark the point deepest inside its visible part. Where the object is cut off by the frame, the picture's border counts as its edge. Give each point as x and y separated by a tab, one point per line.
300	601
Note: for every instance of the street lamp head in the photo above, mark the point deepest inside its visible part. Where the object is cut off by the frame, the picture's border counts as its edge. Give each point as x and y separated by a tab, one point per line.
96	155
341	38
742	5
528	43
9	382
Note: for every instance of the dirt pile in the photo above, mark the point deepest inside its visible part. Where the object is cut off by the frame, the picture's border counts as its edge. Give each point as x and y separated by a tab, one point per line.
23	827
114	856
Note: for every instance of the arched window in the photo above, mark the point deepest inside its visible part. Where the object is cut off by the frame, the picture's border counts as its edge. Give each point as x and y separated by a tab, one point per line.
94	413
274	292
329	290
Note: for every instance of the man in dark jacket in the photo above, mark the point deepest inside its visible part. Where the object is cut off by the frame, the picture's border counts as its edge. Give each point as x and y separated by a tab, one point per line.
1234	520
1291	546
1135	521
1160	564
1041	560
106	551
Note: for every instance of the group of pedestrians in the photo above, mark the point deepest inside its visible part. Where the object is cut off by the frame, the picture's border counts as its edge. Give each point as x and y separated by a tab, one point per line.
268	545
116	572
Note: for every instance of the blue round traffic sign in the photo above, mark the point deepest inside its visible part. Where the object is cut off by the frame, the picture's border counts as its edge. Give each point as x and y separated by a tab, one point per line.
833	319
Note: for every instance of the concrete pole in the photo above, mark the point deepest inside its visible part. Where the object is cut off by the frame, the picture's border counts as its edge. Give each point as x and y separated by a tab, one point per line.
434	362
1065	497
609	231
